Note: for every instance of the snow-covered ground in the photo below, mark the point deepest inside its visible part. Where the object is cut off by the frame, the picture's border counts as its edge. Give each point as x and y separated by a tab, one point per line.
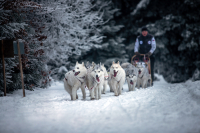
164	108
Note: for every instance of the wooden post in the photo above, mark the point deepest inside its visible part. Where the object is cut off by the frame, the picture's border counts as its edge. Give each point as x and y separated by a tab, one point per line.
149	66
4	71
20	65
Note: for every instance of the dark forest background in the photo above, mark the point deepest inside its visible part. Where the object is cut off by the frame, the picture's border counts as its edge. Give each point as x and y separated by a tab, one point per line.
175	26
100	31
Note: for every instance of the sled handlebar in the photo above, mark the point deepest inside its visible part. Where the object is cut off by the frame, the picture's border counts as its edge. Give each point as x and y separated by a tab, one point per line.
146	60
137	59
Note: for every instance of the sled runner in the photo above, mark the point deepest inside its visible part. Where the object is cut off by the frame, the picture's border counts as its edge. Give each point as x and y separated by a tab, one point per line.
135	60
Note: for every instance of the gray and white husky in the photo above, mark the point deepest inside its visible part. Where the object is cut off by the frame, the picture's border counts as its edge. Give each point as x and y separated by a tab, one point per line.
97	81
143	75
89	79
105	84
131	75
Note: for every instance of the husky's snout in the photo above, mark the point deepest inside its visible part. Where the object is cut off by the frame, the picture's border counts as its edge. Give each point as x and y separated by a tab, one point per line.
76	73
131	82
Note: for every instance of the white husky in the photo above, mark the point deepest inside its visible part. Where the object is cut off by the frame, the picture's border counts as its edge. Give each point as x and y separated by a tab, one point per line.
131	75
74	80
105	84
143	75
98	81
117	78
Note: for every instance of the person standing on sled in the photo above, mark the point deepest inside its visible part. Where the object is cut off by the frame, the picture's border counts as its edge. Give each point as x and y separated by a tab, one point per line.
146	44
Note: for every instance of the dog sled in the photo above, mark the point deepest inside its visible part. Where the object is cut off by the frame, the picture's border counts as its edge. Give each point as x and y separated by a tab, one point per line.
135	60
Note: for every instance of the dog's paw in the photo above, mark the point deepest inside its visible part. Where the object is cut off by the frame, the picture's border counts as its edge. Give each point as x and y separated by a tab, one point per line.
92	98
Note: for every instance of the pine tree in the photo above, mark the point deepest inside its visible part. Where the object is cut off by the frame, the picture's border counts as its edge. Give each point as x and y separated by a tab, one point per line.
112	47
175	27
24	20
73	28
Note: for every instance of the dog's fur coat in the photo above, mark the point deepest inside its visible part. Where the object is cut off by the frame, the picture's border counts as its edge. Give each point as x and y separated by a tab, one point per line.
143	75
74	80
131	75
98	81
89	79
117	80
105	84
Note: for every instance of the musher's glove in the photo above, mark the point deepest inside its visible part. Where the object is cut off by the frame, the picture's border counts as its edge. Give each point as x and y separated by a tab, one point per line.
137	53
148	54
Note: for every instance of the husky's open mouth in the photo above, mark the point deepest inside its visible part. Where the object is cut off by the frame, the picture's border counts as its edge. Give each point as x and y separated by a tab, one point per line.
131	82
139	71
97	78
115	73
77	73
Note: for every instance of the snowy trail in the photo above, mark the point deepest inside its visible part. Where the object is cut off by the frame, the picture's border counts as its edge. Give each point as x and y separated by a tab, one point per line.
165	108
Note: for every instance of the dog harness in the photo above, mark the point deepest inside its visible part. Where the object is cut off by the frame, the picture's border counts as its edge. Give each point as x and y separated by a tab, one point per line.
115	79
80	80
106	77
141	77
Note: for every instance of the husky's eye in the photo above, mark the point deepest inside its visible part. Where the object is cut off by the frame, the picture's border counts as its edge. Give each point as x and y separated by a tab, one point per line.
99	71
116	67
77	67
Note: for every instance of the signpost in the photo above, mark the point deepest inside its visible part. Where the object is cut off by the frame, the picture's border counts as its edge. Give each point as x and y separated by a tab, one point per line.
7	51
20	65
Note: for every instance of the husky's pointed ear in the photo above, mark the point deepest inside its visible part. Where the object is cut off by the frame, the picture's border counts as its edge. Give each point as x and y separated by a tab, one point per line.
100	66
93	64
83	63
118	62
113	62
77	63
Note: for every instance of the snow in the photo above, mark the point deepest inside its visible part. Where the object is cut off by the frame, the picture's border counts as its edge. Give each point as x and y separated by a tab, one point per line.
166	108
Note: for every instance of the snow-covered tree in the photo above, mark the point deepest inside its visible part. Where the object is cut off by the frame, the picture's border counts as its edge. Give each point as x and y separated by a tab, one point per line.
113	44
24	20
72	28
175	25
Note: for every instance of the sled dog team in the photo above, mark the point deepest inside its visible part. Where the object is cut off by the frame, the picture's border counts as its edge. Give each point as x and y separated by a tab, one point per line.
96	78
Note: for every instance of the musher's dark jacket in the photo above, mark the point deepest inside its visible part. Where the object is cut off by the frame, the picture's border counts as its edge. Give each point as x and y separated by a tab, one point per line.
145	44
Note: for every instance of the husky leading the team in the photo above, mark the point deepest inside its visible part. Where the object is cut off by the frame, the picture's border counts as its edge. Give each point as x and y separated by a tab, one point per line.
76	79
95	78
